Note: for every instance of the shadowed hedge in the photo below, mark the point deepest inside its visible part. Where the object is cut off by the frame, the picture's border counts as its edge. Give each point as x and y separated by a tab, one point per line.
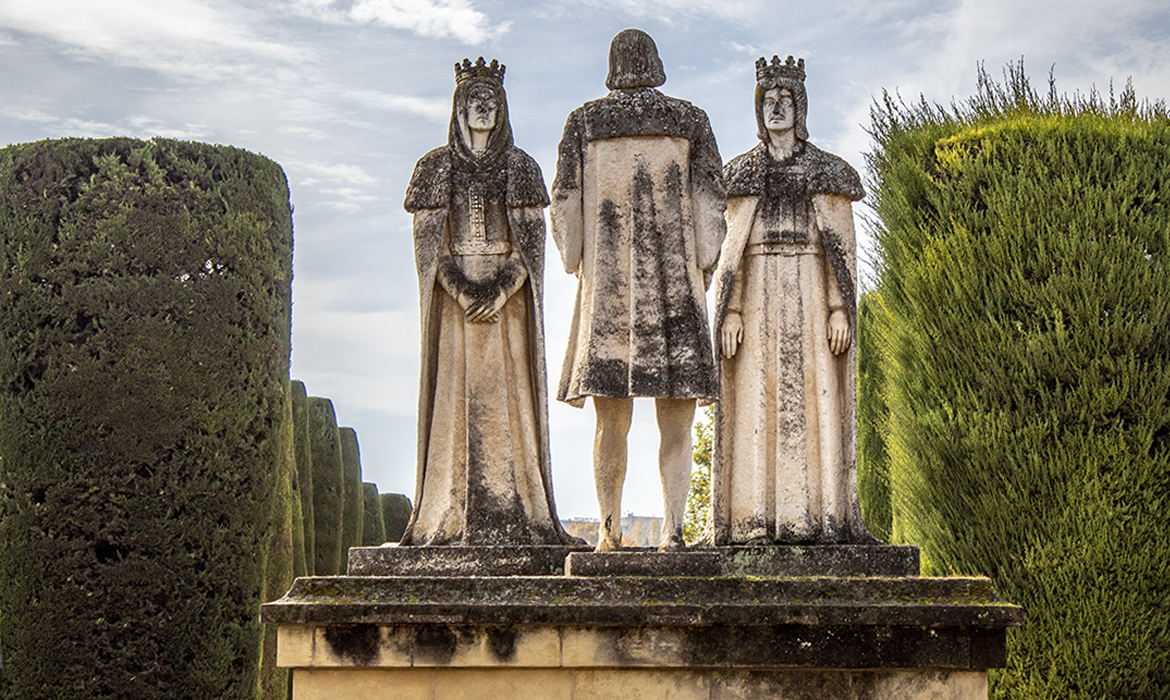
374	529
353	515
328	487
396	510
144	350
1024	261
304	461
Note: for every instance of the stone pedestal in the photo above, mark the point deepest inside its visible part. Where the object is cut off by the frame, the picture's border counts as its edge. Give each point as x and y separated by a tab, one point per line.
833	622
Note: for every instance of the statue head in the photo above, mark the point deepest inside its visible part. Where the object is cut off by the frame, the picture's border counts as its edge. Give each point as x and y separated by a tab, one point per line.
633	61
479	104
781	77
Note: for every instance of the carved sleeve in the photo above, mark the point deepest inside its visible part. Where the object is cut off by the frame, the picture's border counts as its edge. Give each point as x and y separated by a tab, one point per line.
710	195
566	212
735	296
835	220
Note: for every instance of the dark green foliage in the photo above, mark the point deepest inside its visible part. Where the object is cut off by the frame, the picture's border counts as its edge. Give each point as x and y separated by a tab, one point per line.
280	554
144	350
873	464
328	487
304	461
353	513
374	527
396	510
699	495
1026	359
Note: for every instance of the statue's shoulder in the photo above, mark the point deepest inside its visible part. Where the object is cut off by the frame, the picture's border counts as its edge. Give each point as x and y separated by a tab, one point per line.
830	174
429	185
744	174
525	181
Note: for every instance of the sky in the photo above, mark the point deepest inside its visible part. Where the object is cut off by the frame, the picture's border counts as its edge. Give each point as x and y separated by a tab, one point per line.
347	94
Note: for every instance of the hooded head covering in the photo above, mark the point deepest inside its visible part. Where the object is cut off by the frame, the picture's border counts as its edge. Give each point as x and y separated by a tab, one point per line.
634	62
473	80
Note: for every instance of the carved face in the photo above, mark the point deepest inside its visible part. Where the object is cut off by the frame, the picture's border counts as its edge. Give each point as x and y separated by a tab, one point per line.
779	110
482	110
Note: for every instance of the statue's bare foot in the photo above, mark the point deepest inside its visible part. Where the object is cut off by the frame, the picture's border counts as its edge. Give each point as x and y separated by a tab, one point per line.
672	543
607	545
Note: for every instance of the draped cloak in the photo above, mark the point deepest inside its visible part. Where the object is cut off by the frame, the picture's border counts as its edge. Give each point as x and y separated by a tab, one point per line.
430	198
785	459
637	215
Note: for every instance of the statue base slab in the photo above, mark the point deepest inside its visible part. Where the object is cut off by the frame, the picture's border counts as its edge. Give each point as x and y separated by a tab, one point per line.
633	635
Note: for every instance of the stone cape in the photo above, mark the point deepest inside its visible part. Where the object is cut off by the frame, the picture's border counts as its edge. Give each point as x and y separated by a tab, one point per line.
639	324
784	394
518	181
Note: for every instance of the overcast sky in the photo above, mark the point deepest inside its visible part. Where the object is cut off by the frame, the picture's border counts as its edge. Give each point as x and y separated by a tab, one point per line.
347	94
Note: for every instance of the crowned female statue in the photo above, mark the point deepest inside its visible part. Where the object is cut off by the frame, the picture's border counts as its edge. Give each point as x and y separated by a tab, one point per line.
785	462
483	452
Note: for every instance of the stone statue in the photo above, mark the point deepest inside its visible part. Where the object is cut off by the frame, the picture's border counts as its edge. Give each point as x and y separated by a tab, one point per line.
785	462
483	458
637	214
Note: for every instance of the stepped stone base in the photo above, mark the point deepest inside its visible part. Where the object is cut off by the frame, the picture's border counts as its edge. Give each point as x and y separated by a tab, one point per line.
831	622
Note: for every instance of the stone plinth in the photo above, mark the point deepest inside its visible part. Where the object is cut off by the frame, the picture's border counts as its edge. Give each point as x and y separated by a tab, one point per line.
696	632
390	560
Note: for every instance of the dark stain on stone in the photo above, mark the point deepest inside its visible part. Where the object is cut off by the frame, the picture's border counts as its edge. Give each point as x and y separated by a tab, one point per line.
502	642
358	643
435	644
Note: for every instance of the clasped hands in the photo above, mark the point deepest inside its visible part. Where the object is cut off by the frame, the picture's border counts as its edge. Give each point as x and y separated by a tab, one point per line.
732	334
479	310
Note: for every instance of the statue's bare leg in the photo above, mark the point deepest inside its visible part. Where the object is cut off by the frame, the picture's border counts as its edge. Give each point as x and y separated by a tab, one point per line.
609	466
675	420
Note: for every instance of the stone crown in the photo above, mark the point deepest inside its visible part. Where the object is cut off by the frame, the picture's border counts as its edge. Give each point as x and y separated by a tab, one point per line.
791	68
493	73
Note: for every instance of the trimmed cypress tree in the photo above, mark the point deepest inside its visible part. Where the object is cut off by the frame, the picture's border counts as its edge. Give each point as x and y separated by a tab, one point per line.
144	348
374	527
396	510
353	516
304	461
1026	356
873	464
328	487
280	553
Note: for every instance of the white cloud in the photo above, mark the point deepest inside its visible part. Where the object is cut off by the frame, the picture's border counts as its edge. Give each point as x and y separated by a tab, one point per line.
183	38
135	125
435	110
438	19
667	11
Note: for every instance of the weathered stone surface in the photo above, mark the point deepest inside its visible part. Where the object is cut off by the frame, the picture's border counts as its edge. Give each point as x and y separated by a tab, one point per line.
644	646
884	602
784	466
531	560
484	475
814	560
637	215
637	684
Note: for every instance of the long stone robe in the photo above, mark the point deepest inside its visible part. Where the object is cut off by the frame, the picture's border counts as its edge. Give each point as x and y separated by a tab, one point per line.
785	460
484	475
637	215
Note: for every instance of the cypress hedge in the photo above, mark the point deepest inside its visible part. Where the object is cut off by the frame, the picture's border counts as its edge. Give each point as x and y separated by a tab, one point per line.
281	554
353	514
144	350
328	487
304	462
873	464
1026	359
374	526
396	510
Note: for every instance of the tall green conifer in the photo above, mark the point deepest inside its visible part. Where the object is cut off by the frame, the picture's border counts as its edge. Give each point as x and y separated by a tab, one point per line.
144	351
1024	271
